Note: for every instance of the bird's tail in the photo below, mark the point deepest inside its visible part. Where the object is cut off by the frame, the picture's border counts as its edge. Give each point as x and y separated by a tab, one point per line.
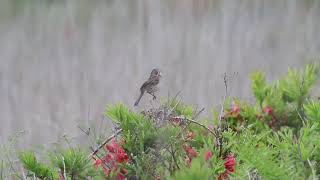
138	100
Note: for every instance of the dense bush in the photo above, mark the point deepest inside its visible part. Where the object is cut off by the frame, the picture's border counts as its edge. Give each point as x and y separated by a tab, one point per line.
275	138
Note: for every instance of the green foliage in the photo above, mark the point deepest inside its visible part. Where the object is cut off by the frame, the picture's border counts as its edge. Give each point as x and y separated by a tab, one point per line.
259	87
312	110
196	171
138	131
255	155
180	108
296	85
74	161
285	97
275	155
201	168
275	138
40	170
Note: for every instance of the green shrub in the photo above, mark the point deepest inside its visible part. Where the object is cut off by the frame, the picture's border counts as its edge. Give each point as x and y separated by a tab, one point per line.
276	137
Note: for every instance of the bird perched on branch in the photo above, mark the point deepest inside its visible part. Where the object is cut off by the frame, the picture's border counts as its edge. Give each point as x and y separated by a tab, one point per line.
150	86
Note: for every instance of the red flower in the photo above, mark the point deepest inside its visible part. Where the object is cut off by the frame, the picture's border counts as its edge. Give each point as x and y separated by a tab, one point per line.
230	167
191	135
191	152
110	148
115	156
109	158
61	177
209	155
176	120
98	163
122	157
230	164
235	109
113	147
268	110
106	171
121	176
116	153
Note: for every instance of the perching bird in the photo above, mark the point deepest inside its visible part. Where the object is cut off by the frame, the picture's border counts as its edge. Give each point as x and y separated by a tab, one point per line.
150	86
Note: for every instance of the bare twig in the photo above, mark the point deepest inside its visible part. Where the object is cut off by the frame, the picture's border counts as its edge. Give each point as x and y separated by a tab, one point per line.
194	117
195	122
96	155
87	132
179	101
197	114
174	97
219	130
224	97
185	127
172	152
105	142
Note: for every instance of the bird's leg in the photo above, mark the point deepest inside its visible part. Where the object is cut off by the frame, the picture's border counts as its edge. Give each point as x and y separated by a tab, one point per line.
154	96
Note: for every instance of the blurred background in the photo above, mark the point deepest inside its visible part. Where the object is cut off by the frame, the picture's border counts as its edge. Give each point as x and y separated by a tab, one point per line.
63	61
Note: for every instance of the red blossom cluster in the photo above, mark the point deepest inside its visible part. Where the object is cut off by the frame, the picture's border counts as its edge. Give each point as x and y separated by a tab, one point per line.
191	135
234	112
115	156
230	166
235	109
267	113
177	120
208	155
191	153
270	112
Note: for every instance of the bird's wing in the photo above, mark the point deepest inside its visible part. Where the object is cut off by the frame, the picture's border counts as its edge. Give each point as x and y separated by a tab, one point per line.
150	82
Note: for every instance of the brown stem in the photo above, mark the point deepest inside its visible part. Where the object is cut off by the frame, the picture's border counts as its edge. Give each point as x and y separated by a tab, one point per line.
105	142
171	151
195	122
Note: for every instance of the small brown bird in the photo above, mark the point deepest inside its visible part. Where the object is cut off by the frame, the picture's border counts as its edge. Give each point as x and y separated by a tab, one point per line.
150	86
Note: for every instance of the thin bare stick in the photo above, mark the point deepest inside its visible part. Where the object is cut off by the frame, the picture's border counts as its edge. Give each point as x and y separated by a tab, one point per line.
175	96
219	130
174	107
105	142
87	132
224	97
185	127
172	152
197	114
195	122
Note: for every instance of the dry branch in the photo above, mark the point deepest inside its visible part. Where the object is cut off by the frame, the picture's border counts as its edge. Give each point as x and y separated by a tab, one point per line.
105	142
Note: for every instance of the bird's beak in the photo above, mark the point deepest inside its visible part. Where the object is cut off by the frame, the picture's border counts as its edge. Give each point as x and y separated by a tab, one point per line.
160	74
